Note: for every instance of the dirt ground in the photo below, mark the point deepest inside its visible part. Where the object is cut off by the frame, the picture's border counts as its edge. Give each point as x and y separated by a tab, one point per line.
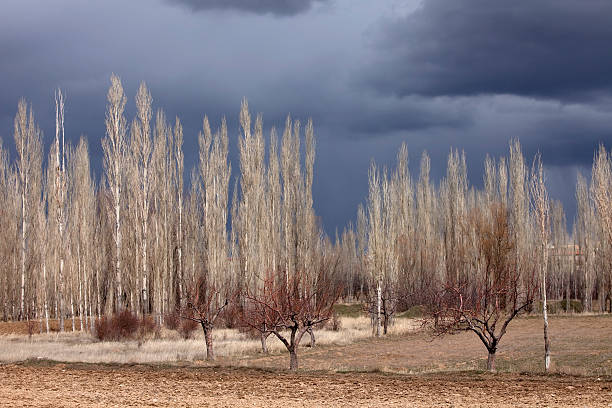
76	385
581	345
407	370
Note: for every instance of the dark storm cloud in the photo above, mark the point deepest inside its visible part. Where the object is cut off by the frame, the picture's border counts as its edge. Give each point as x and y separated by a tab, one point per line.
311	65
545	48
380	116
275	7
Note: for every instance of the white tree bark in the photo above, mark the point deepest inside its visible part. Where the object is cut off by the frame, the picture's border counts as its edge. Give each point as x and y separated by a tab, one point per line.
114	151
540	202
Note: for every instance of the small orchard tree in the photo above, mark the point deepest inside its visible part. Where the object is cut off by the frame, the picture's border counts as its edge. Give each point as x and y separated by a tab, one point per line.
204	304
290	306
388	301
488	299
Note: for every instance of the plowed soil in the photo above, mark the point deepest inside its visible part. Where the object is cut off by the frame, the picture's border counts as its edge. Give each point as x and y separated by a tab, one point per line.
76	385
374	372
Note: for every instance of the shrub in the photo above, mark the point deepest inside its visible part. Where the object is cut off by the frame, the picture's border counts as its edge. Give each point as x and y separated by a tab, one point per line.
232	316
102	329
187	327
249	332
414	312
334	323
349	310
146	326
172	320
560	306
119	326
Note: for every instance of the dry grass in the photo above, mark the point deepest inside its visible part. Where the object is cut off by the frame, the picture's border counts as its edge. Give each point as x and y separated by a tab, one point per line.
581	345
170	347
348	368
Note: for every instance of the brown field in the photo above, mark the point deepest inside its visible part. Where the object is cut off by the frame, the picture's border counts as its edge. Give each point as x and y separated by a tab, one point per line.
370	372
90	385
579	346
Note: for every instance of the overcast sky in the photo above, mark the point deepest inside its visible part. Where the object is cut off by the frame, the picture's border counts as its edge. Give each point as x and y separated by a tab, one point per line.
435	74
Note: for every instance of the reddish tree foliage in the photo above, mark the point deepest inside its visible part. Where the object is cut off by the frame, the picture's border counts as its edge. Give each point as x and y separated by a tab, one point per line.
205	304
294	304
124	325
486	301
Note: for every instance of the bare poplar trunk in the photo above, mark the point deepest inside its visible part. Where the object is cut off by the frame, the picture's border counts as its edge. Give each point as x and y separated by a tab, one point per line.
23	252
46	303
145	228
166	288
98	295
545	315
87	298
60	295
567	296
118	246
601	297
378	304
541	206
180	247
385	323
145	306
81	308
72	310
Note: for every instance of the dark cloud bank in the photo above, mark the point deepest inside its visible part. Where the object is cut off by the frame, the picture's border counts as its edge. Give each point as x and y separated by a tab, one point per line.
275	7
545	48
469	74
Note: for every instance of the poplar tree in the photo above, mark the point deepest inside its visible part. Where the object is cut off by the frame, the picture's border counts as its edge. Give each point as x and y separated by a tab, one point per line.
28	143
141	151
541	208
114	146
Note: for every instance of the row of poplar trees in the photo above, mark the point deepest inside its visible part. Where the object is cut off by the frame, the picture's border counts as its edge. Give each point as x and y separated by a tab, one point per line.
414	236
140	239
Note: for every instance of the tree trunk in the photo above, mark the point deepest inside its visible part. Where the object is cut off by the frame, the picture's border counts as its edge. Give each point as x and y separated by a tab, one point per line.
46	304
312	337
546	338
81	302
385	324
119	299
180	247
145	287
72	309
23	253
60	294
378	301
491	361
546	343
293	362
98	295
264	343
384	315
567	296
210	355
